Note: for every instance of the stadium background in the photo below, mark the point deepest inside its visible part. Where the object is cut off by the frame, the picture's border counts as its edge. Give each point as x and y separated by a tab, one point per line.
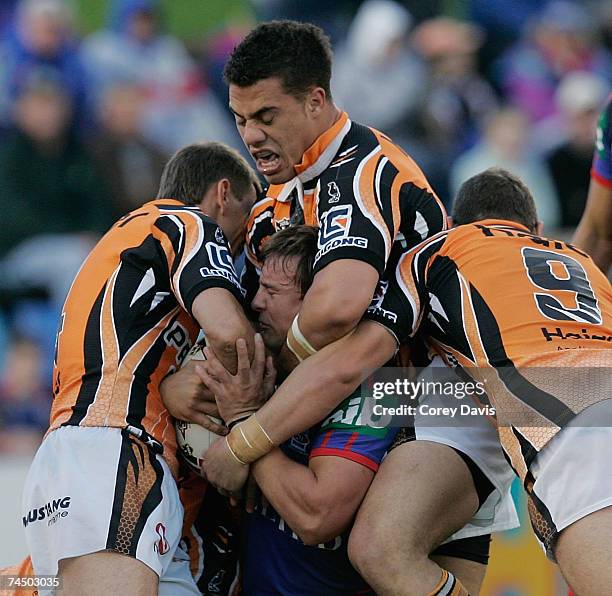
94	96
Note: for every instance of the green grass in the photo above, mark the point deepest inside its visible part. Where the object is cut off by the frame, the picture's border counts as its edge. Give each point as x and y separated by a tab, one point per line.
189	19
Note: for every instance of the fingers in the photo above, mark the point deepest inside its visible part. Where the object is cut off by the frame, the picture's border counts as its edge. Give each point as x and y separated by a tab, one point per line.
208	408
209	424
244	364
213	365
211	382
259	357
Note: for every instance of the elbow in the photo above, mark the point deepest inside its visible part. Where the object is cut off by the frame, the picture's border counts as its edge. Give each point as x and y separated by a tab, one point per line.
320	526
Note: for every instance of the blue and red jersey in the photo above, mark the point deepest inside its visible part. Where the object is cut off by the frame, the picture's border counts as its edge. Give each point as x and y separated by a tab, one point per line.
602	161
275	560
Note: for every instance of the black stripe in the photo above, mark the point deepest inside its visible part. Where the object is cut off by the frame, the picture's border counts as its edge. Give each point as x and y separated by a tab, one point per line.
139	391
92	363
176	236
152	500
126	456
443	283
541	401
389	172
528	451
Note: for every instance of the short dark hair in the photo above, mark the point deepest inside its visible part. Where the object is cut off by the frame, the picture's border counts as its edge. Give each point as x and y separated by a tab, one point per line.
295	241
192	170
299	54
495	194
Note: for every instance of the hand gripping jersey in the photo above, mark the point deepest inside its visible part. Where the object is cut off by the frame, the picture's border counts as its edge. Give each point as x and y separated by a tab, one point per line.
276	561
368	198
602	162
531	316
127	319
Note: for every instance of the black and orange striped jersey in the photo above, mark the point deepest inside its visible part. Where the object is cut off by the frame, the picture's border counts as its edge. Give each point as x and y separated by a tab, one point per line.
491	296
127	320
368	198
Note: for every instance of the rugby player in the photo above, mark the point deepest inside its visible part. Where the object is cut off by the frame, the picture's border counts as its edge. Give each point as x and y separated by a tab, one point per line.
101	505
295	543
594	234
369	201
555	310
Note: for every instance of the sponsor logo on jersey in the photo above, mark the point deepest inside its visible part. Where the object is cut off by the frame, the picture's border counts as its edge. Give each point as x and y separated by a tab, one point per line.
219	237
52	511
376	308
161	547
221	264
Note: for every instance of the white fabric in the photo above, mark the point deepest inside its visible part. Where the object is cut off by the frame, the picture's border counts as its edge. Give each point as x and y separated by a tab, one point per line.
573	472
480	442
68	502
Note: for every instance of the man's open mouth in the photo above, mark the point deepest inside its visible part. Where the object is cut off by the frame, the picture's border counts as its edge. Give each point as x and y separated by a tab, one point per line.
267	162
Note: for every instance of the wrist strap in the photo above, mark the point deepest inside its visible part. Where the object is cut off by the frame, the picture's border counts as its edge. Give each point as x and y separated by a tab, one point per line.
248	441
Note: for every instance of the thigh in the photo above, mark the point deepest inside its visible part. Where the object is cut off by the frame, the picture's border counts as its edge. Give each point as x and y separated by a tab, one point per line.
421	495
103	573
100	489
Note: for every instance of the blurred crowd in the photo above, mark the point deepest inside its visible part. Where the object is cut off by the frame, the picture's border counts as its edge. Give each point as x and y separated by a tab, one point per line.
88	120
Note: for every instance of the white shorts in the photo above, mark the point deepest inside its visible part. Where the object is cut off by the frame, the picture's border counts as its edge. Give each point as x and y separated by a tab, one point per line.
480	442
573	474
93	489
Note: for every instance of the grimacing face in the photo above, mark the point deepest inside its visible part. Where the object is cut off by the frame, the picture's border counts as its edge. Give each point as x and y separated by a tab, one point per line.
276	127
277	301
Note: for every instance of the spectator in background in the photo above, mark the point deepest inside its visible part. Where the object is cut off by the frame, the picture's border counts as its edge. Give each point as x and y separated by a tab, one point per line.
40	42
506	144
377	78
457	99
25	403
49	190
135	165
563	38
579	98
178	109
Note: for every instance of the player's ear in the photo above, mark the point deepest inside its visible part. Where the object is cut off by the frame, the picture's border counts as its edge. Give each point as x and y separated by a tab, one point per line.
315	101
223	193
539	229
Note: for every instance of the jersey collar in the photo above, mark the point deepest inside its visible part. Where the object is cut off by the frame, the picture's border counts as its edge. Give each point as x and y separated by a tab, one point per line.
320	154
502	223
315	161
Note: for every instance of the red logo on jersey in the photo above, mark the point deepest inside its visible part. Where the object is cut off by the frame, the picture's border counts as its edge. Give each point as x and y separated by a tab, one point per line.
161	546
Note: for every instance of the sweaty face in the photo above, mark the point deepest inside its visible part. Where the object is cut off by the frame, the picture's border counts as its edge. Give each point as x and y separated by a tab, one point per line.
274	125
277	301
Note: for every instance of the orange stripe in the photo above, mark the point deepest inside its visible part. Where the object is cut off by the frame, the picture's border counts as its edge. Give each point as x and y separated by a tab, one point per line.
97	414
440	584
367	192
316	149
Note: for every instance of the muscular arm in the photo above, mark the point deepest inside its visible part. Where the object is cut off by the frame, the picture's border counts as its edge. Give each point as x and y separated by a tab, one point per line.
223	322
594	234
334	304
322	381
318	502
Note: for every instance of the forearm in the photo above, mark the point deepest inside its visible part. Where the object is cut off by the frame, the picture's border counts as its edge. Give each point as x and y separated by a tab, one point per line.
223	322
336	301
322	381
292	489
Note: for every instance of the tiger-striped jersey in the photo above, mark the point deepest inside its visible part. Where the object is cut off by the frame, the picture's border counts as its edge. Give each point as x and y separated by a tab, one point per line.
368	198
127	320
530	316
